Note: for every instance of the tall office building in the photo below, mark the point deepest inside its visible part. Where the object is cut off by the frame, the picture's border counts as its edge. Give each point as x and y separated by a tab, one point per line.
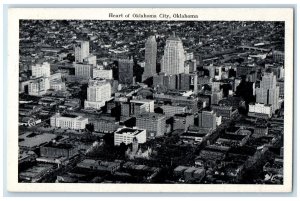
173	59
82	50
268	92
126	71
41	70
98	92
150	57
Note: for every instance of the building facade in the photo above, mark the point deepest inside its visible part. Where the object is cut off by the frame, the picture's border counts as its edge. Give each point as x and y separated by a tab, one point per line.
173	59
83	70
208	119
102	73
68	121
153	123
268	92
125	71
41	70
126	135
150	57
38	86
82	50
98	92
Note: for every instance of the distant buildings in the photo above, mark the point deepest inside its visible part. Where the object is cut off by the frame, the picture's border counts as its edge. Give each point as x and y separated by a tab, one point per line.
268	92
82	50
98	92
153	123
125	71
68	121
150	57
126	135
172	62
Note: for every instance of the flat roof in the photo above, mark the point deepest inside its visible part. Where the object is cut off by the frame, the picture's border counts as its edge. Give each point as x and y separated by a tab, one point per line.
128	130
232	137
32	139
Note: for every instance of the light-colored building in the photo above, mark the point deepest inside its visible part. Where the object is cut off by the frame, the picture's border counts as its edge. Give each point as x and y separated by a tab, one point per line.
150	57
260	108
98	92
90	59
268	92
68	121
173	59
82	50
170	110
155	124
126	135
57	85
99	72
38	86
83	70
41	70
148	104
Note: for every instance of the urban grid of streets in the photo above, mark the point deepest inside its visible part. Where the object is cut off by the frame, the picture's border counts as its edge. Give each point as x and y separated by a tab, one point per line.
151	102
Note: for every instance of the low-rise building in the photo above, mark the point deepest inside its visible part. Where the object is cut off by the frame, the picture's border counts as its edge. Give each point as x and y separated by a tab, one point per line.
68	121
98	165
126	135
56	150
260	110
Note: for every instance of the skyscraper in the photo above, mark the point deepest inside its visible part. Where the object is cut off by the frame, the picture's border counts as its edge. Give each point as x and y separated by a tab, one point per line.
98	91
125	71
268	92
82	50
150	57
173	59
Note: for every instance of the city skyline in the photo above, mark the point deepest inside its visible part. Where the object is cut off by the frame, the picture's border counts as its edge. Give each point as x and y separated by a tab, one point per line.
151	102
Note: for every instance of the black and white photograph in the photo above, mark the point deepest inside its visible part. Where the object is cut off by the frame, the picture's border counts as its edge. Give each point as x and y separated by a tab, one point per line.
147	101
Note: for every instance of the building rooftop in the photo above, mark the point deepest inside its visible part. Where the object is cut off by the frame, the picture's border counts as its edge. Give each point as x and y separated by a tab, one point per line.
132	131
31	139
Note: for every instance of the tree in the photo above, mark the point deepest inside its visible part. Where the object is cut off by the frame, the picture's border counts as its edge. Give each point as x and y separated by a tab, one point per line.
90	127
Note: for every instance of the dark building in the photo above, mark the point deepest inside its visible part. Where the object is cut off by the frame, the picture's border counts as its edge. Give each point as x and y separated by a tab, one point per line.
55	150
125	71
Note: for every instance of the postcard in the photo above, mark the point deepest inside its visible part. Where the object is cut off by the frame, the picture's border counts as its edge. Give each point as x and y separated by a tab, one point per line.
150	99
